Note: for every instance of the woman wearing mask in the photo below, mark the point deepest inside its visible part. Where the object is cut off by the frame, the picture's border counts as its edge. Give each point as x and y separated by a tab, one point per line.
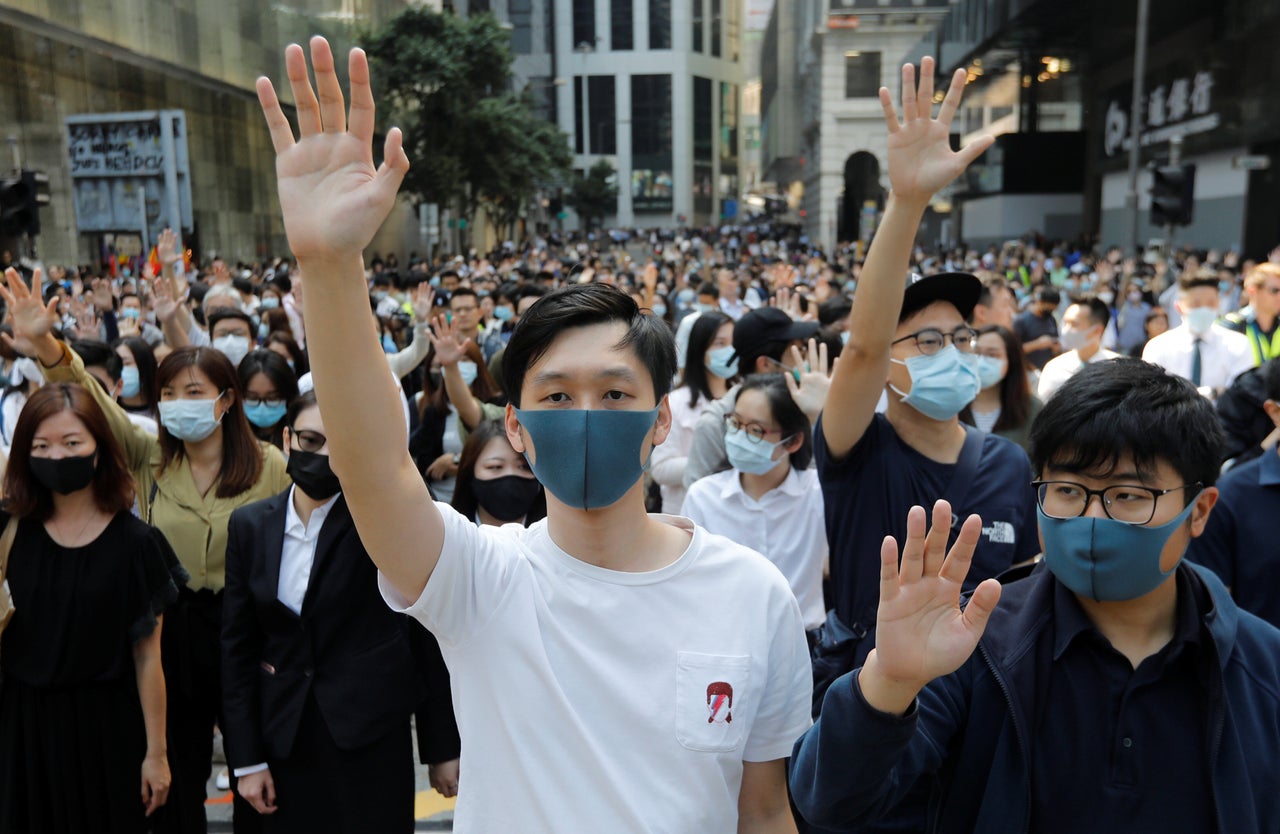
710	365
204	464
1156	322
495	484
269	386
1005	404
319	676
82	708
284	344
770	500
137	376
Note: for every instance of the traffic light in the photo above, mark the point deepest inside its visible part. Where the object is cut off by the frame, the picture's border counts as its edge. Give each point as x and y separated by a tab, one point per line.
21	196
1173	190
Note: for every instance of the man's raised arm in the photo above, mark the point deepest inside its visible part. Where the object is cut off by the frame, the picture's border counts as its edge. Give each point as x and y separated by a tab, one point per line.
920	162
334	201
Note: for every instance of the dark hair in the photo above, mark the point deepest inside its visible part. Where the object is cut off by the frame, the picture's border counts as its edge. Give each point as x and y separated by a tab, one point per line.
701	335
100	355
1271	379
299	404
1099	312
1048	295
242	284
1200	278
1127	407
144	358
583	305
464	500
276	319
991	285
277	370
791	419
112	482
241	452
281	337
710	288
224	313
463	292
1015	390
834	309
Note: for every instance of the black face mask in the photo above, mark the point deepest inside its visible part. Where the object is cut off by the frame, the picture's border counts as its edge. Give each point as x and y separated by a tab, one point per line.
507	498
64	475
312	475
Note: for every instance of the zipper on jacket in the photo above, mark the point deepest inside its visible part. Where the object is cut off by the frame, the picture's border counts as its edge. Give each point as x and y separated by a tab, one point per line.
1017	733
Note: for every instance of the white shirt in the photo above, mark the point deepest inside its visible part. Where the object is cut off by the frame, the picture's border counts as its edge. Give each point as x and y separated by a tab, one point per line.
733	309
786	525
669	459
1224	354
597	700
1061	368
298	552
683	329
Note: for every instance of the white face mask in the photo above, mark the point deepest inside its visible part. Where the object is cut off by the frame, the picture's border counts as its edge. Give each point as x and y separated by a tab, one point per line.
235	347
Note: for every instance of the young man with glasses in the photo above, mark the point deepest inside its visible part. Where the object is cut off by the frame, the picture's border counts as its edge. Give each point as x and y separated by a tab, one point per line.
1115	688
911	343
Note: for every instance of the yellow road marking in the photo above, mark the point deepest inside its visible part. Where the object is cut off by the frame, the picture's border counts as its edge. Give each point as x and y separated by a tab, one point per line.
427	804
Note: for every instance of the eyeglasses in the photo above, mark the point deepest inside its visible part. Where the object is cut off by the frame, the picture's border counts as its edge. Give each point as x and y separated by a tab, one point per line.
931	340
755	432
310	441
271	402
1125	503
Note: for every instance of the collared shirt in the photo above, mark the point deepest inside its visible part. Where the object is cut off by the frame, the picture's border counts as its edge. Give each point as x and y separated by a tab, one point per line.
1061	368
1224	354
1117	748
298	552
785	525
1239	540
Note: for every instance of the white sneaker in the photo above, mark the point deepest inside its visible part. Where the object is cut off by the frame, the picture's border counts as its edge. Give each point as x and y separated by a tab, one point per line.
223	781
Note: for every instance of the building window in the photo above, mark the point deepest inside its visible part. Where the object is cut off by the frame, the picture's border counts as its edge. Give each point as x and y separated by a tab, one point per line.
659	24
584	23
652	183
729	123
861	74
715	27
733	30
602	101
702	110
577	113
697	25
542	88
620	24
521	14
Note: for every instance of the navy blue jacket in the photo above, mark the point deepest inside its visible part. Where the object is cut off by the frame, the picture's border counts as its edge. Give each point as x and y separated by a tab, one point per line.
970	731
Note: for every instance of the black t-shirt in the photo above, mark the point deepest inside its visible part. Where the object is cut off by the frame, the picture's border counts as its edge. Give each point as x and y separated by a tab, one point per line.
1030	327
868	493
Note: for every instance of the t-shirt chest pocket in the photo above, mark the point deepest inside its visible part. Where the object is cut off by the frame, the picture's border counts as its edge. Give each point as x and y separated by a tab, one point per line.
711	693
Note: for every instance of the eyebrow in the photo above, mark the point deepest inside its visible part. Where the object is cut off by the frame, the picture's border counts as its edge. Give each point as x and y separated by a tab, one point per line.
620	372
1110	476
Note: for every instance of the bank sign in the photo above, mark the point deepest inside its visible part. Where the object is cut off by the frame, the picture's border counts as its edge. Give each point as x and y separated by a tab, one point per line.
130	172
1181	105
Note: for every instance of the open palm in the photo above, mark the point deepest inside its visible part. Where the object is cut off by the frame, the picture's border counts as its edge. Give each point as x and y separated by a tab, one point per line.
333	198
919	147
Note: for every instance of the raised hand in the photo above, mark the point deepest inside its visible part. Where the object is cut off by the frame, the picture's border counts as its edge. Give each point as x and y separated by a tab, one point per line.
810	391
86	321
32	319
445	340
424	298
921	161
167	248
163	300
332	197
921	631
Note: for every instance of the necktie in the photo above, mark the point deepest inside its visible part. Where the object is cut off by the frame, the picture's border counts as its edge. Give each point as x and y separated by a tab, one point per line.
1195	363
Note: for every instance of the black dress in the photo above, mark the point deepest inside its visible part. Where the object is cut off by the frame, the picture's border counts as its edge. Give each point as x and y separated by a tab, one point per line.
72	737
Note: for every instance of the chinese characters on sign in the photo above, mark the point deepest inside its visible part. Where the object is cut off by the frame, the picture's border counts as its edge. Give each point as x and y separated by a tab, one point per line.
1181	107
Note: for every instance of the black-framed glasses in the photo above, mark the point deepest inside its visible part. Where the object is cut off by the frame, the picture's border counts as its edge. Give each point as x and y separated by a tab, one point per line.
271	402
310	441
1127	503
931	340
756	433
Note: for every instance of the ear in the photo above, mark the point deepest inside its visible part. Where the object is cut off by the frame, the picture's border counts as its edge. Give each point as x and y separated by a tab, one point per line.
515	433
793	445
1200	510
287	441
662	428
1272	407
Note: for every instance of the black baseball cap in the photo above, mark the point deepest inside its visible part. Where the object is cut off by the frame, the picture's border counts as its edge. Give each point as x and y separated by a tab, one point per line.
960	289
768	324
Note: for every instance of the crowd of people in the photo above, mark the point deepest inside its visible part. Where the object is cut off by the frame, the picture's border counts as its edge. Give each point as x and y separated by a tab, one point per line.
665	530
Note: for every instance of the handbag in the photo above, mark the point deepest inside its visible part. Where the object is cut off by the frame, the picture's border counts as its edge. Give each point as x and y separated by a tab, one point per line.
833	646
6	598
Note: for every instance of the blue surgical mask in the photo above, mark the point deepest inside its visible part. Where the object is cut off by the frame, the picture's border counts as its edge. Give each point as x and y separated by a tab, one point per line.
844	337
723	362
503	313
270	302
1224	286
380	295
746	455
587	459
1200	319
990	371
659	310
131	313
707	308
942	384
1104	559
389	344
265	414
191	420
685	298
468	370
131	383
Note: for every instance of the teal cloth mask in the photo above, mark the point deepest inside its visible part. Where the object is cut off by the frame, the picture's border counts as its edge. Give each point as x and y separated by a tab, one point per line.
1104	559
941	384
587	459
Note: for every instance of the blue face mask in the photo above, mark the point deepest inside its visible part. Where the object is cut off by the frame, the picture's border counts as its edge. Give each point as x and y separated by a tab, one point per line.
587	459
659	310
990	371
1104	559
265	414
131	313
844	338
269	302
707	308
389	344
941	384
720	363
503	313
468	370
746	455
131	383
191	420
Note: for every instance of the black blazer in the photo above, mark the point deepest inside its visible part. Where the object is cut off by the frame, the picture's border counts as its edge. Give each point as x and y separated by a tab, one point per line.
368	667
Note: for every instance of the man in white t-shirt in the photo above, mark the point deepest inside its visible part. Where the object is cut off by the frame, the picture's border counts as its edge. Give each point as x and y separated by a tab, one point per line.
1083	328
611	670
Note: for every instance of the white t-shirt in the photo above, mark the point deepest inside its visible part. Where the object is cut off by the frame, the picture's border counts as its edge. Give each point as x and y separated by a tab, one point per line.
786	525
597	700
1062	367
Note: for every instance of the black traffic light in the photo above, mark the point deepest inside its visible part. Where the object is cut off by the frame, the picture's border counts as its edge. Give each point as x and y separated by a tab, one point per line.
21	196
1173	192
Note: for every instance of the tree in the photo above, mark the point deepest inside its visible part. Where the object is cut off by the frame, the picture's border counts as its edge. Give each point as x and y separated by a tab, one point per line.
473	143
594	195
